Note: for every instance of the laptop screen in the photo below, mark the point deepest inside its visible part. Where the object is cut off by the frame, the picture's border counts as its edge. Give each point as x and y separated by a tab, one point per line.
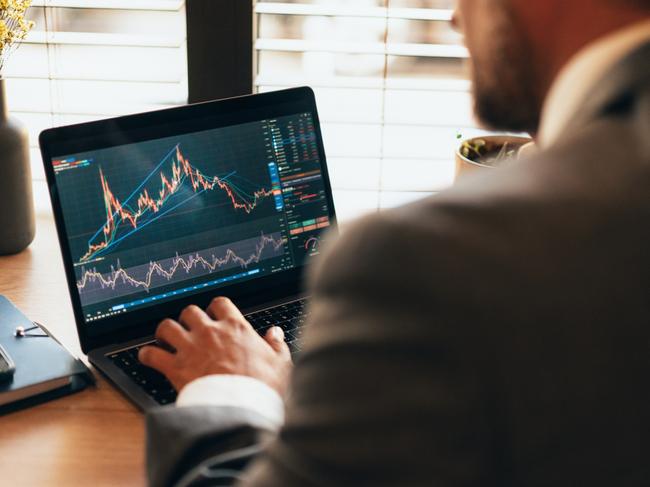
157	220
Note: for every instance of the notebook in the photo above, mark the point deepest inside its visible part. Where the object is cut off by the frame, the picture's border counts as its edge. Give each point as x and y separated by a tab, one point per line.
44	368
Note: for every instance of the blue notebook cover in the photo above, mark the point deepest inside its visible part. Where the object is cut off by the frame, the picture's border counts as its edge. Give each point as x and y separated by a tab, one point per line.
41	363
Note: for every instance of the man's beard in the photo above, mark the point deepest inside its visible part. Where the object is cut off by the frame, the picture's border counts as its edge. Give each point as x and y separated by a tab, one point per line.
506	93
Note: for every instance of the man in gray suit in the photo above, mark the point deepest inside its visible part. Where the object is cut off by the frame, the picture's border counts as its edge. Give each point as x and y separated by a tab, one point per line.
495	334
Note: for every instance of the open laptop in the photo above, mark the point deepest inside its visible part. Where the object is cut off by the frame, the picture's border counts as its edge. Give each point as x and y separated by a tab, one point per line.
160	210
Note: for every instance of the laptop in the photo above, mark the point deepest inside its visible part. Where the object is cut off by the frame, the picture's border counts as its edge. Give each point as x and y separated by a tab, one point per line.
160	210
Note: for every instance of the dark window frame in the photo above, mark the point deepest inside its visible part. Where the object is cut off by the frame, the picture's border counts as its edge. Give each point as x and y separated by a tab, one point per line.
220	49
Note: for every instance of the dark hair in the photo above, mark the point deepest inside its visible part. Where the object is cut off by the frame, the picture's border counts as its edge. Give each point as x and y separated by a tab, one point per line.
636	3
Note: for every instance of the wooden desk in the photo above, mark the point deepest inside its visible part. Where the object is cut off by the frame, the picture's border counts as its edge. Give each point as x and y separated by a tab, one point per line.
95	437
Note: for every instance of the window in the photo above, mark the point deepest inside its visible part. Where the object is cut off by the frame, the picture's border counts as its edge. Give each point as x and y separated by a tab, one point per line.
389	76
88	60
391	85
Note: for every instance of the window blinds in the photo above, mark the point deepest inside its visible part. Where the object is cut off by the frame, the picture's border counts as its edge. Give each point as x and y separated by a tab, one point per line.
89	60
392	89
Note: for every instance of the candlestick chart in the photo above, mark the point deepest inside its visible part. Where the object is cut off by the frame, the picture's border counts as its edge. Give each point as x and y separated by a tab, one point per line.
142	207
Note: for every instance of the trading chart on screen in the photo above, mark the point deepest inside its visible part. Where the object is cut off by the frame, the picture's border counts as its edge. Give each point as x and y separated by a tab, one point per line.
160	219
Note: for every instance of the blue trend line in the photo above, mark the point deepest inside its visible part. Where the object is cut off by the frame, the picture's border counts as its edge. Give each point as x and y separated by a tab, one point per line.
138	188
150	174
228	176
114	243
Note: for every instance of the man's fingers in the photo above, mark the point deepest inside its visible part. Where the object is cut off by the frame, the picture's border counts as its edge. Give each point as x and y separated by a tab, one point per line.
172	333
158	359
192	317
275	337
224	309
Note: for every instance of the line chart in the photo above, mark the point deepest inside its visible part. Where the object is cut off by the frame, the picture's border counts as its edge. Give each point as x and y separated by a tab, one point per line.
158	216
124	219
96	286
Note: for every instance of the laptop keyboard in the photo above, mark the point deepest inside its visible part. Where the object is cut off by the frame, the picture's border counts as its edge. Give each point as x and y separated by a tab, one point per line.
151	381
290	317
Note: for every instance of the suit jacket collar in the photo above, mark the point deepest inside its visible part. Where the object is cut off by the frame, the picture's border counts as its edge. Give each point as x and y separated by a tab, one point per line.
626	80
582	75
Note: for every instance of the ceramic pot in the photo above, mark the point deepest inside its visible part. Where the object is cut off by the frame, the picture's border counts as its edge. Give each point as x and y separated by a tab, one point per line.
17	225
467	166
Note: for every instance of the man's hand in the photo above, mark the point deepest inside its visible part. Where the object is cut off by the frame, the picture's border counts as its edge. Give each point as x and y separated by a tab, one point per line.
218	341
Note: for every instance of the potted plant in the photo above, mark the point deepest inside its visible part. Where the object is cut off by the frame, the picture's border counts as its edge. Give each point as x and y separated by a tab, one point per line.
487	152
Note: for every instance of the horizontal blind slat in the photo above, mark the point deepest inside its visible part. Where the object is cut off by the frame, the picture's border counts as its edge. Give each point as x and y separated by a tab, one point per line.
102	39
163	5
104	63
91	97
409	84
443	15
390	49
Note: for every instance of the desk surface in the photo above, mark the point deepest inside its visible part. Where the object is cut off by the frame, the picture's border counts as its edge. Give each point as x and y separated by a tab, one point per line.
95	437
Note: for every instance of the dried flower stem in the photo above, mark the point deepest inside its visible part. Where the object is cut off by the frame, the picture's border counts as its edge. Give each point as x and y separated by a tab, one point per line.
13	27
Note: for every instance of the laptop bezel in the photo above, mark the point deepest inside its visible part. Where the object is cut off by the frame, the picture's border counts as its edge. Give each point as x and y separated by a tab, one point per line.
61	141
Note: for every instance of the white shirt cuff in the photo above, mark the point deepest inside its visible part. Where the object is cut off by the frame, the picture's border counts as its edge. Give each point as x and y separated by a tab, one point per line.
234	391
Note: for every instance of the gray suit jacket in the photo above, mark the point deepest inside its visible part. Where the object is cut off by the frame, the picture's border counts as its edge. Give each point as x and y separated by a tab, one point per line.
495	334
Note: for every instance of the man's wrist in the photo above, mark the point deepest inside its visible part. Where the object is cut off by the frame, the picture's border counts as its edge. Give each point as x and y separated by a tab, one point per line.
234	391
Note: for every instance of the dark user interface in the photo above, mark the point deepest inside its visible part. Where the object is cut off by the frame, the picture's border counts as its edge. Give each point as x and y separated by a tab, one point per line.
158	220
